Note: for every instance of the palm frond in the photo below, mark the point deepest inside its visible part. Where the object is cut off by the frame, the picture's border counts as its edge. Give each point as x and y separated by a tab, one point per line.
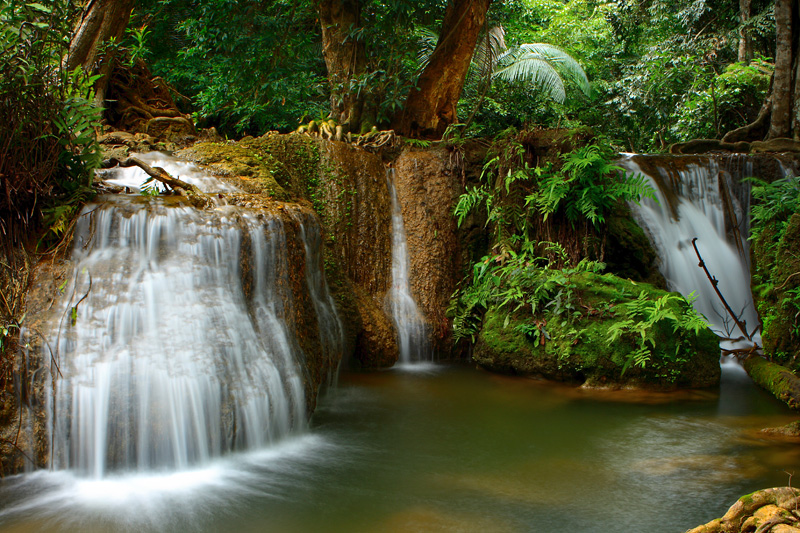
525	61
427	44
535	69
490	47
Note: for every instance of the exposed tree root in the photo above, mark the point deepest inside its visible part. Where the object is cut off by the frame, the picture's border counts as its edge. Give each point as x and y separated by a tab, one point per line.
140	103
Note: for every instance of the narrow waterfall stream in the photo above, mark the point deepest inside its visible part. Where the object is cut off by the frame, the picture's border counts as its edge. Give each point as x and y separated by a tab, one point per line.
704	198
412	333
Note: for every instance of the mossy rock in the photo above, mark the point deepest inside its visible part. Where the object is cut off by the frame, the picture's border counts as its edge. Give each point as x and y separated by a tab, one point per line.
578	350
775	263
628	252
233	160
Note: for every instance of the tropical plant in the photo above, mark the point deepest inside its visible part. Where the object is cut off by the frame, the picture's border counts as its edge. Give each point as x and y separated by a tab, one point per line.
539	276
47	145
588	186
544	66
642	318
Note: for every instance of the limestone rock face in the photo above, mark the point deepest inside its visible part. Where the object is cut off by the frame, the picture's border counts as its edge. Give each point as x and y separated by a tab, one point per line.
428	188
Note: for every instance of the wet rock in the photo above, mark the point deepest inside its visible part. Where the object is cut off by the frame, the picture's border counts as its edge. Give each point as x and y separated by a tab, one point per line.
428	188
766	511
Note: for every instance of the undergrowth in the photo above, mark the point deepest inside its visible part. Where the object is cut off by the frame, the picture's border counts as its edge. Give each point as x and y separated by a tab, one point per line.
532	279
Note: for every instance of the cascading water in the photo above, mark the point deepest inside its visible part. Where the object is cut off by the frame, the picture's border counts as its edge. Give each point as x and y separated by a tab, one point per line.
178	341
330	325
412	332
704	198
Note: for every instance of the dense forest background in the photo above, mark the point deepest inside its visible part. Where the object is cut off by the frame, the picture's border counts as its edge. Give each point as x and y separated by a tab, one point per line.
660	71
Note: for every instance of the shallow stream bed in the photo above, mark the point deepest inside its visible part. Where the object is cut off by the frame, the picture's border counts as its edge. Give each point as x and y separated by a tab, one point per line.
450	448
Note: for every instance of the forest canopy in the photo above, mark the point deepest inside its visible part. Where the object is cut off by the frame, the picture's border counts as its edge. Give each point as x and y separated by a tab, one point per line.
251	67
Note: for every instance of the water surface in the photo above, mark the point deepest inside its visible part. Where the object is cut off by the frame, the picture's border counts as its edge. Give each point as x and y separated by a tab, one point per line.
450	448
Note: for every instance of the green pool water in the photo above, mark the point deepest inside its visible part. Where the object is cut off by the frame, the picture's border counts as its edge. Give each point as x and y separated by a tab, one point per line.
452	448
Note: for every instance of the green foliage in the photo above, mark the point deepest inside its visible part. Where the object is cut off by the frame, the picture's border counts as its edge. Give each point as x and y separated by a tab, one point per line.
248	66
588	186
774	202
47	146
526	281
775	236
732	99
643	315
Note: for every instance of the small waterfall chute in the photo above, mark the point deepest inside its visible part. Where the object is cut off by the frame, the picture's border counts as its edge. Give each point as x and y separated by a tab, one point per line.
412	330
707	199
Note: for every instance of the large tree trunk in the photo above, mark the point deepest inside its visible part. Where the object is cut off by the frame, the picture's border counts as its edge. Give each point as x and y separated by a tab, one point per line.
431	105
782	84
745	42
101	20
345	58
780	116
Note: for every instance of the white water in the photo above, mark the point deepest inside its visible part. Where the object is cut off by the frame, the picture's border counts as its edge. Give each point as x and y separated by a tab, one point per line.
133	178
175	340
412	333
699	212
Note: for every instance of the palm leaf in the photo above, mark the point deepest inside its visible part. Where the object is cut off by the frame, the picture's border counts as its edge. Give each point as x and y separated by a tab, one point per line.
535	69
542	63
486	56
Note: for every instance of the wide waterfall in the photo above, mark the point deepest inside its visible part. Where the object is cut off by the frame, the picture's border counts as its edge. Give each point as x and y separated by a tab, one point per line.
175	341
706	198
412	332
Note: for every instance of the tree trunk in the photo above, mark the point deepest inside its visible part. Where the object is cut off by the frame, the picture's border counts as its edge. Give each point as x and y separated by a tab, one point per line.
431	105
101	21
345	58
782	86
745	42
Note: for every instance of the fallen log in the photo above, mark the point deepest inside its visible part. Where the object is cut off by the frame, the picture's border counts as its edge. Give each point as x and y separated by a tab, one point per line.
777	379
197	197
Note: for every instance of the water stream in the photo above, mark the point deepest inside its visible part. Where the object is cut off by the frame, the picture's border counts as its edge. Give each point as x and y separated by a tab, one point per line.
451	450
181	406
704	198
412	333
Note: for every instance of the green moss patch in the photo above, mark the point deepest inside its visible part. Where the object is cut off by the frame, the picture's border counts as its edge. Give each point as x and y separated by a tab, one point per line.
577	346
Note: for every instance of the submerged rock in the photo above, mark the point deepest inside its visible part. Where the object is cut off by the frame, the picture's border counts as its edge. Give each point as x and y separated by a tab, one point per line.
574	346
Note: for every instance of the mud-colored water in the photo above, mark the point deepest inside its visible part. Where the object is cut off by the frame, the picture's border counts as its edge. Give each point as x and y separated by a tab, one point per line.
449	448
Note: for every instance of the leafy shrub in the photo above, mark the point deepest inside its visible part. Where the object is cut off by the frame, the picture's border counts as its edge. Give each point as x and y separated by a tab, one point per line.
733	99
774	201
642	318
588	186
47	144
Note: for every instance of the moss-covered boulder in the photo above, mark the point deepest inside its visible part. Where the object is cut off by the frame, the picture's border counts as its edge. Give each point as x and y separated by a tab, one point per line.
776	289
628	251
578	345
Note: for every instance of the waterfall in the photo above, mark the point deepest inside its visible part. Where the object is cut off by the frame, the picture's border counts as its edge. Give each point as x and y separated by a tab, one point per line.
330	325
704	198
175	340
412	332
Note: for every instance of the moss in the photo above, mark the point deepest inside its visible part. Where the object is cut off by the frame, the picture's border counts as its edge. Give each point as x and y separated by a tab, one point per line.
777	379
775	261
577	348
628	252
254	170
